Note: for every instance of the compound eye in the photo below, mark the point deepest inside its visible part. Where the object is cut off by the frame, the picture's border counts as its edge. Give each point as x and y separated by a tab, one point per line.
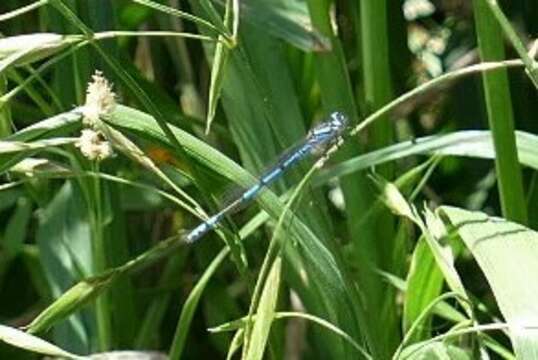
339	118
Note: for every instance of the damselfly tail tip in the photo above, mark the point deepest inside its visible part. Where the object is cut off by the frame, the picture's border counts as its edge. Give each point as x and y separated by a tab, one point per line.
186	237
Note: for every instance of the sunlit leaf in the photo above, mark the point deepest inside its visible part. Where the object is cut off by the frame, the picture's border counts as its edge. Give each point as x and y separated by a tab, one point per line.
32	343
507	253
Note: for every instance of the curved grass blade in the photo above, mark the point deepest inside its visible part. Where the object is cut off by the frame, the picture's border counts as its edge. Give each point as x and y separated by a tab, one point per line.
10	147
265	313
32	343
469	143
22	10
240	324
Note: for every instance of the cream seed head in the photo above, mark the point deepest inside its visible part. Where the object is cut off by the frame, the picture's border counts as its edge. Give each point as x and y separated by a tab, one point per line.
100	100
93	145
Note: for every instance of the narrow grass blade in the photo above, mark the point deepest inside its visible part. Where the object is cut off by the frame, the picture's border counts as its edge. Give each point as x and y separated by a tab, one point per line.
6	120
515	40
187	312
57	125
17	227
22	10
10	147
500	116
471	143
265	313
181	14
337	94
240	324
32	343
70	301
424	283
217	73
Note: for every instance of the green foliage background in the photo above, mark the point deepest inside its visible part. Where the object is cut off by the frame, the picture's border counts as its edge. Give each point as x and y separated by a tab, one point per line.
385	252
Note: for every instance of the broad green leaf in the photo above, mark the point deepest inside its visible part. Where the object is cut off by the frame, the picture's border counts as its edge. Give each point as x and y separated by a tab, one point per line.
63	239
9	197
287	20
507	253
86	290
268	61
500	113
436	351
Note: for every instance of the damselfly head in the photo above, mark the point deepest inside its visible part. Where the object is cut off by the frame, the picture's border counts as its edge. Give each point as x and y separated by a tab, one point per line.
339	121
327	133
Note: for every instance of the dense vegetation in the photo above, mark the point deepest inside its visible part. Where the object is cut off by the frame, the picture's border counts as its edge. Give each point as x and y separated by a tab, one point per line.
123	124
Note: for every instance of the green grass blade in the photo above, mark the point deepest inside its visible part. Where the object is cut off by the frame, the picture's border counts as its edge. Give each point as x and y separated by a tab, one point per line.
156	311
22	10
181	14
512	36
337	94
187	312
500	115
424	284
32	343
6	122
472	143
265	313
217	74
377	86
17	228
240	323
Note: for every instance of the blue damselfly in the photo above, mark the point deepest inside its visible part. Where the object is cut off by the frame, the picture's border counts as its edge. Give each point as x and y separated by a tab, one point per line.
319	139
